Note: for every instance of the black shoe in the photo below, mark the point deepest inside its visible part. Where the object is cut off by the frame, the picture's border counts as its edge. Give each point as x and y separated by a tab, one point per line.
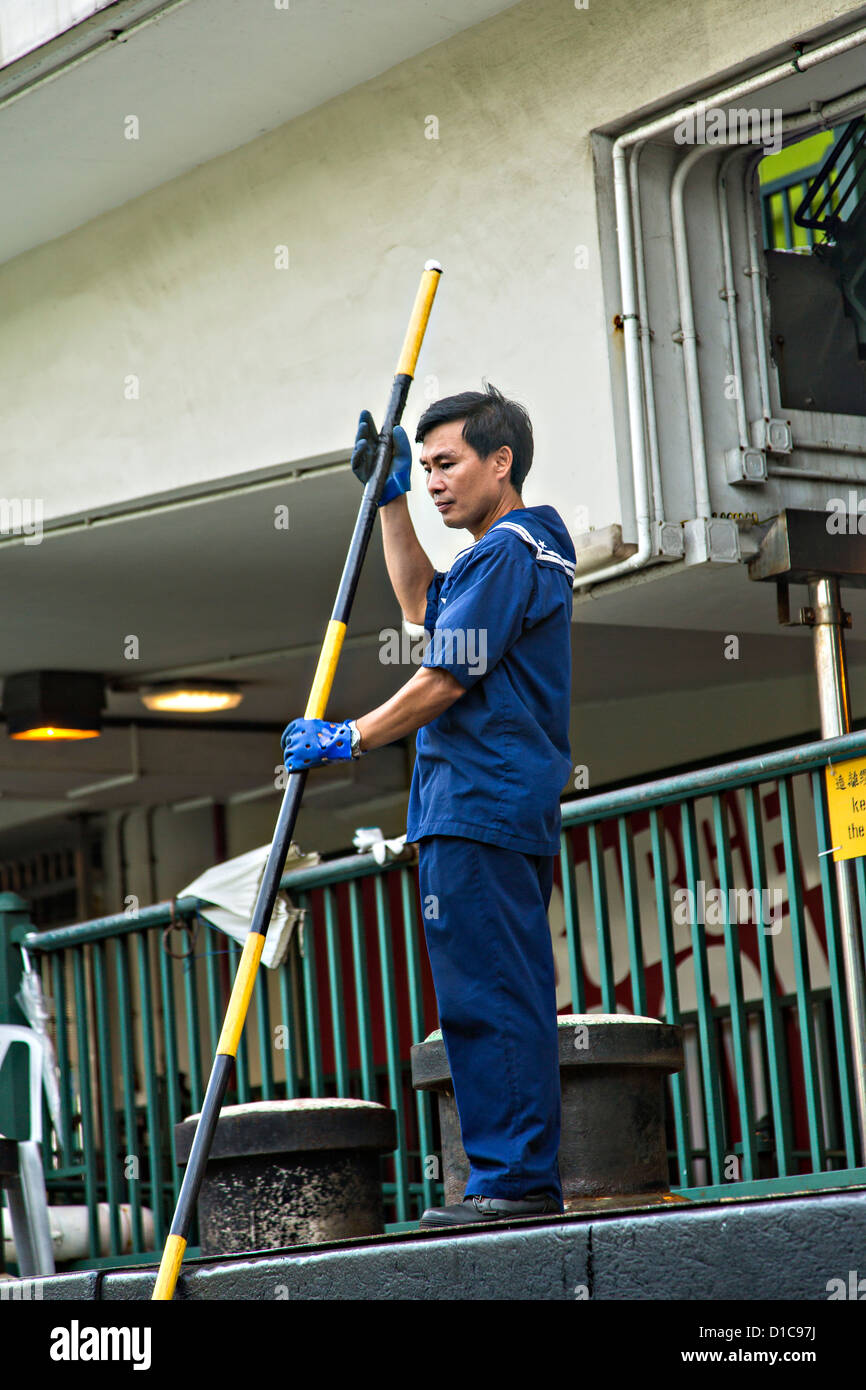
487	1209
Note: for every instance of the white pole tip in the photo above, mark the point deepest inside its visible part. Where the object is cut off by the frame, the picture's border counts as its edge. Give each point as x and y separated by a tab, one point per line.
433	265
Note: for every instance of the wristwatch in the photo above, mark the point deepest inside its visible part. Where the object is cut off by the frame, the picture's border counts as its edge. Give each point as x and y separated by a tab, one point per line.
356	739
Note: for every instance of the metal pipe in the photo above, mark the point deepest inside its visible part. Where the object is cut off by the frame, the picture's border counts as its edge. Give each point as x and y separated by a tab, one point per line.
790	68
830	446
70	1232
755	270
122	864
629	317
835	705
645	336
351	867
700	472
815	475
729	294
150	846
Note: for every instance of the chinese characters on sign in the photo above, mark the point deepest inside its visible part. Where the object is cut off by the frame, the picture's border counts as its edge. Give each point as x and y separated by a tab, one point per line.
846	801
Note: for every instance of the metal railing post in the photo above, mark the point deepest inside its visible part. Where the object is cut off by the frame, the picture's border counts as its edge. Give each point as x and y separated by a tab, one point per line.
833	695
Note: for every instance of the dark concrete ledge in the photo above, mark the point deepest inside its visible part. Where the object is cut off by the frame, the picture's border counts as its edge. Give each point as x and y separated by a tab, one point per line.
76	1287
753	1249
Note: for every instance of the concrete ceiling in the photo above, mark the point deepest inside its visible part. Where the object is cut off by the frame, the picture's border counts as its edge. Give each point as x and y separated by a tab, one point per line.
203	78
210	587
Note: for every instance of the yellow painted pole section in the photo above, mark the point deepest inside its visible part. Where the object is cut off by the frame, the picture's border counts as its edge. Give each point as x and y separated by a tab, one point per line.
169	1269
241	992
418	322
324	677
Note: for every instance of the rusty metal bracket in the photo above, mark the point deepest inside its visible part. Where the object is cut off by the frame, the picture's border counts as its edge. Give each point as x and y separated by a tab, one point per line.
809	617
178	924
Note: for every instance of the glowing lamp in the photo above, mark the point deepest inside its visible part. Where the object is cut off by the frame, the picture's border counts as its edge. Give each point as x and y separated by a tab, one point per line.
191	697
53	706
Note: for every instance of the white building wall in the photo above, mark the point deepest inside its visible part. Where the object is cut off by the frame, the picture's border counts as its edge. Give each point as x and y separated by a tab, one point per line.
242	366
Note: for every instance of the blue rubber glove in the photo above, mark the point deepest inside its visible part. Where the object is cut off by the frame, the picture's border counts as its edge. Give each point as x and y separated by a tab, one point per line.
399	479
310	742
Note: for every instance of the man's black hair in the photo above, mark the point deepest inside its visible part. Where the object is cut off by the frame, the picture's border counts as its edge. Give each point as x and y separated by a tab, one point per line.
491	421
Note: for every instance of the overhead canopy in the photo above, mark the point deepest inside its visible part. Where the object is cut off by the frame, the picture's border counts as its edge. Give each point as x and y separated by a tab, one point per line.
204	77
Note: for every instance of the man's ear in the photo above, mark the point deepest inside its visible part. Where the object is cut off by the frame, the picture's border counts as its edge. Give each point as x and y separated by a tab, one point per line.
503	459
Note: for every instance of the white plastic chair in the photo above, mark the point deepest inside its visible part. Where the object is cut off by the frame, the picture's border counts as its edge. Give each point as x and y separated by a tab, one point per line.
28	1198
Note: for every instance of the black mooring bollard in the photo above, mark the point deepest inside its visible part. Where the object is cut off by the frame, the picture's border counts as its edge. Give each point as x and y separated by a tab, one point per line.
612	1070
291	1172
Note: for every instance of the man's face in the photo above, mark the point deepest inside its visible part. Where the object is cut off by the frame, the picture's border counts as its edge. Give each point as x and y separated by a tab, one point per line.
464	486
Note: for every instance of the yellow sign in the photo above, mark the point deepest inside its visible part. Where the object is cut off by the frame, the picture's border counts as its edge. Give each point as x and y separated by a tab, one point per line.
846	802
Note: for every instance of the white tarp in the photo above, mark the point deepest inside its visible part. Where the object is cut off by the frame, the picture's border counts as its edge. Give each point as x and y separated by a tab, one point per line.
232	888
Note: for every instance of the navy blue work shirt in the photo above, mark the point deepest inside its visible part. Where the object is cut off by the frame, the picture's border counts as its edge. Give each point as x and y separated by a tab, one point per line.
493	765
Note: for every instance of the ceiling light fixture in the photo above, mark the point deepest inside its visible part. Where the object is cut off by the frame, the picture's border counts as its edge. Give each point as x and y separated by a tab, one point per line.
53	706
191	697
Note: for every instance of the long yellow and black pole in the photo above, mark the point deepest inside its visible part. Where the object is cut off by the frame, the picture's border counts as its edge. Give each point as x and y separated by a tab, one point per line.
227	1046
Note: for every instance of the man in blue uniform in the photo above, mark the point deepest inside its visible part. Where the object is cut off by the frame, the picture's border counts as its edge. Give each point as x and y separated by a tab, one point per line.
491	706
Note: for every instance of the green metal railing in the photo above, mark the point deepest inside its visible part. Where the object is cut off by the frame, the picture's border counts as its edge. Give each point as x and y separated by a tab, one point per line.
784	199
764	1103
139	1000
803	1036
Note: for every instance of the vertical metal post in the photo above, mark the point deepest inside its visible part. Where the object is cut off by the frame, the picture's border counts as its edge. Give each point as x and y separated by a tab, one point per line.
15	1096
832	671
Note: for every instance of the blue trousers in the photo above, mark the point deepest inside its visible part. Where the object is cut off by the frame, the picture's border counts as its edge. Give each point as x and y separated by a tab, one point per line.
485	919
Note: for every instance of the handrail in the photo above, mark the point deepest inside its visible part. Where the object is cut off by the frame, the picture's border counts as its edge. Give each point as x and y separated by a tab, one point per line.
816	217
162	914
640	797
762	767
